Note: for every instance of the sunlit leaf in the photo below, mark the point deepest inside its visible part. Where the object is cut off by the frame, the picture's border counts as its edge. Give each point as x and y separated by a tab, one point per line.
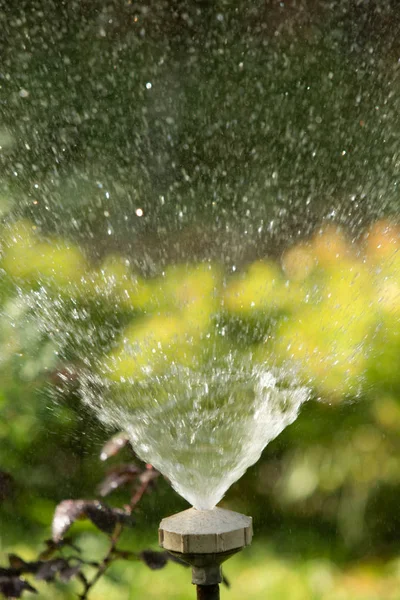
101	515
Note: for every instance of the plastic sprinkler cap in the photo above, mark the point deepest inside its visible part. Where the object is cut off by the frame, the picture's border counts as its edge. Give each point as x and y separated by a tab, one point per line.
205	531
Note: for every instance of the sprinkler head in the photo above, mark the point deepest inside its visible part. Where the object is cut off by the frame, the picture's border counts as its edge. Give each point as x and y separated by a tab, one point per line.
205	539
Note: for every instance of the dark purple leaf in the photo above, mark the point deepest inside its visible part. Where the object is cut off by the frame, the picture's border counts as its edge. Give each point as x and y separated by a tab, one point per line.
114	445
118	476
8	572
51	568
106	518
16	562
13	587
153	559
69	572
19	566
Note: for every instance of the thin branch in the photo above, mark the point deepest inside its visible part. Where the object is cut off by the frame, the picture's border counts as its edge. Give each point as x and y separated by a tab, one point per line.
104	564
112	554
138	495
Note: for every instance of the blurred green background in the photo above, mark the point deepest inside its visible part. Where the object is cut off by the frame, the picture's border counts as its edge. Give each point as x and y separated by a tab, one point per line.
170	163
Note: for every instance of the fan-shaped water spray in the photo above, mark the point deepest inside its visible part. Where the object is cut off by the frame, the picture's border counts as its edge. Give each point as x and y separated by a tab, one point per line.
197	391
201	428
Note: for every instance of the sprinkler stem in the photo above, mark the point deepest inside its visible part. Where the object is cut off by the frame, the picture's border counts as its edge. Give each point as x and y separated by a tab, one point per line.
204	539
208	592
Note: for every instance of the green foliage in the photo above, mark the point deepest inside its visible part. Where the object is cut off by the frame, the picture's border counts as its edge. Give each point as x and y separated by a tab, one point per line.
259	124
330	310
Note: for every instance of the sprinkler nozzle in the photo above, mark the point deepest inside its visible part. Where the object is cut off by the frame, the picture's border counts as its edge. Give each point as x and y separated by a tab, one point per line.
205	539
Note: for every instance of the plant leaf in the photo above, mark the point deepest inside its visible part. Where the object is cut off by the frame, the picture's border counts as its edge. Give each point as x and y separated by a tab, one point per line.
51	568
101	515
66	513
19	566
16	562
106	518
154	559
13	587
69	572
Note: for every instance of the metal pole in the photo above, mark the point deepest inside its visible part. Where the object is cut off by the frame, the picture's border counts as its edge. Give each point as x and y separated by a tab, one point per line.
208	592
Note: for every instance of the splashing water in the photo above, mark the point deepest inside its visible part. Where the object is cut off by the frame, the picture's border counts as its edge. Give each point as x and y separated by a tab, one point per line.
198	401
201	428
199	407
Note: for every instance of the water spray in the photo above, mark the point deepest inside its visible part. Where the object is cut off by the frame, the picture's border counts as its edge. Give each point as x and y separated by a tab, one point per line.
205	539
